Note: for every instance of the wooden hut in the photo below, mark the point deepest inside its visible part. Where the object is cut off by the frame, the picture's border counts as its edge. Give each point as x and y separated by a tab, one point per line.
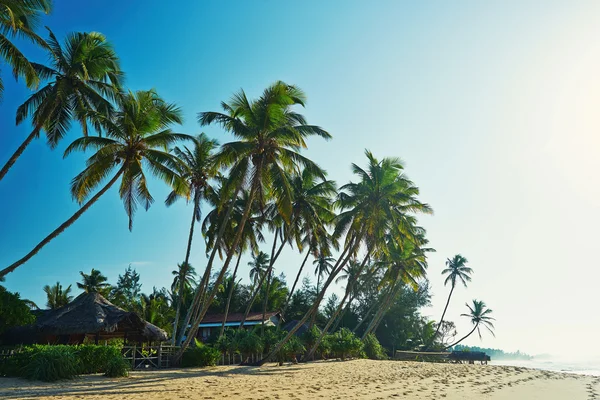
90	316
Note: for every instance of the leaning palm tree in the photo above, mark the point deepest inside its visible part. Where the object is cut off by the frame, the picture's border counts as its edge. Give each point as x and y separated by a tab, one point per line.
57	296
19	19
380	204
94	282
198	168
183	284
270	135
82	77
456	270
137	143
480	316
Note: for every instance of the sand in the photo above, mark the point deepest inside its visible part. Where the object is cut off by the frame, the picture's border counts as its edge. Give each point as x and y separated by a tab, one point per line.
357	379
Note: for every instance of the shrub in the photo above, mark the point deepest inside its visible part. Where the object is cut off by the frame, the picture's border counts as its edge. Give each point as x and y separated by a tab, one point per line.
200	356
289	350
373	349
50	363
344	343
247	343
96	358
117	368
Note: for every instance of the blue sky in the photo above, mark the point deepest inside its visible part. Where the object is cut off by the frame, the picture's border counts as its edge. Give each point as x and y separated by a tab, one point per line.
493	107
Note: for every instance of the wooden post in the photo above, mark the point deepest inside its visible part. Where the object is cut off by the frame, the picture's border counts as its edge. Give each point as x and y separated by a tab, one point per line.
159	355
97	337
133	358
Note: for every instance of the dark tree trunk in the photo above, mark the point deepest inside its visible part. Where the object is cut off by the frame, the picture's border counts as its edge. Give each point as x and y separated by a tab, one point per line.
201	289
182	281
350	248
441	319
62	227
339	308
13	159
231	289
211	296
463	338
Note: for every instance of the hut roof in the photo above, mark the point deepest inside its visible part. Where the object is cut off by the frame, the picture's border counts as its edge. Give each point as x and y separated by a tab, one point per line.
91	313
301	330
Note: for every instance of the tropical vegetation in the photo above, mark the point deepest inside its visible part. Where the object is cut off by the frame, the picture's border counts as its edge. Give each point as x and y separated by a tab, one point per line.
255	197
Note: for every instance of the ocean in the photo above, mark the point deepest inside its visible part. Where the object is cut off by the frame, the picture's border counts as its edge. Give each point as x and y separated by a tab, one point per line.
581	367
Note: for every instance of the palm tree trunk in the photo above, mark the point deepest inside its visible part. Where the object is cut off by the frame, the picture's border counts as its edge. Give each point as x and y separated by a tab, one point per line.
13	159
62	227
274	257
441	319
287	301
339	308
341	316
237	264
375	303
349	248
201	289
382	309
265	302
182	279
463	338
211	296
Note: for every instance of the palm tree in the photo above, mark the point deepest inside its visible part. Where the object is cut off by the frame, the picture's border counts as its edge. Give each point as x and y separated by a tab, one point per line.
324	266
83	75
456	270
270	135
380	204
94	282
137	132
198	168
258	267
406	263
183	277
480	316
19	19
57	297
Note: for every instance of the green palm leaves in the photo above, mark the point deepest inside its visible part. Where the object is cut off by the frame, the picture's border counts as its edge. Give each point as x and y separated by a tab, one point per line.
18	19
480	316
57	296
94	282
457	271
82	77
137	142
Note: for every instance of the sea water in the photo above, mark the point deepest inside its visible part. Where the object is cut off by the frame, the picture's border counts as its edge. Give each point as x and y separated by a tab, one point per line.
557	364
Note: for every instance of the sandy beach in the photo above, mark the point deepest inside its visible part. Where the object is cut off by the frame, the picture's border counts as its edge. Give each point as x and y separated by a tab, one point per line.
358	379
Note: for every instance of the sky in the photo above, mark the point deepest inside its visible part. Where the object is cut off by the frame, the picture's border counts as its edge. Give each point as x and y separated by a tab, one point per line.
492	106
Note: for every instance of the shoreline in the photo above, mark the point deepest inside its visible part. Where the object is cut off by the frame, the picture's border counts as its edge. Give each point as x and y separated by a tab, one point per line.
356	379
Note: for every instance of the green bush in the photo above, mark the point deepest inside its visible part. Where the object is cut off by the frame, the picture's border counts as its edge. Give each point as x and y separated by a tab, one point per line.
290	349
117	368
50	363
345	344
200	356
96	358
373	349
247	343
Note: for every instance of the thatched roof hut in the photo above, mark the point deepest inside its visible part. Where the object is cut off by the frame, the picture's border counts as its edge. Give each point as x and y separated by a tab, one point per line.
89	315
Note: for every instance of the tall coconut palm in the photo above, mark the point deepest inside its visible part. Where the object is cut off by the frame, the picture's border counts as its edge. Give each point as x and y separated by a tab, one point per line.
480	316
94	282
380	204
270	135
19	19
456	271
82	77
137	143
183	277
57	296
198	169
406	263
258	267
323	267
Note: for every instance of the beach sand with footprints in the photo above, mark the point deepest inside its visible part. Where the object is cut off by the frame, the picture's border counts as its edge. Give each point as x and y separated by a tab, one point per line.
357	379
